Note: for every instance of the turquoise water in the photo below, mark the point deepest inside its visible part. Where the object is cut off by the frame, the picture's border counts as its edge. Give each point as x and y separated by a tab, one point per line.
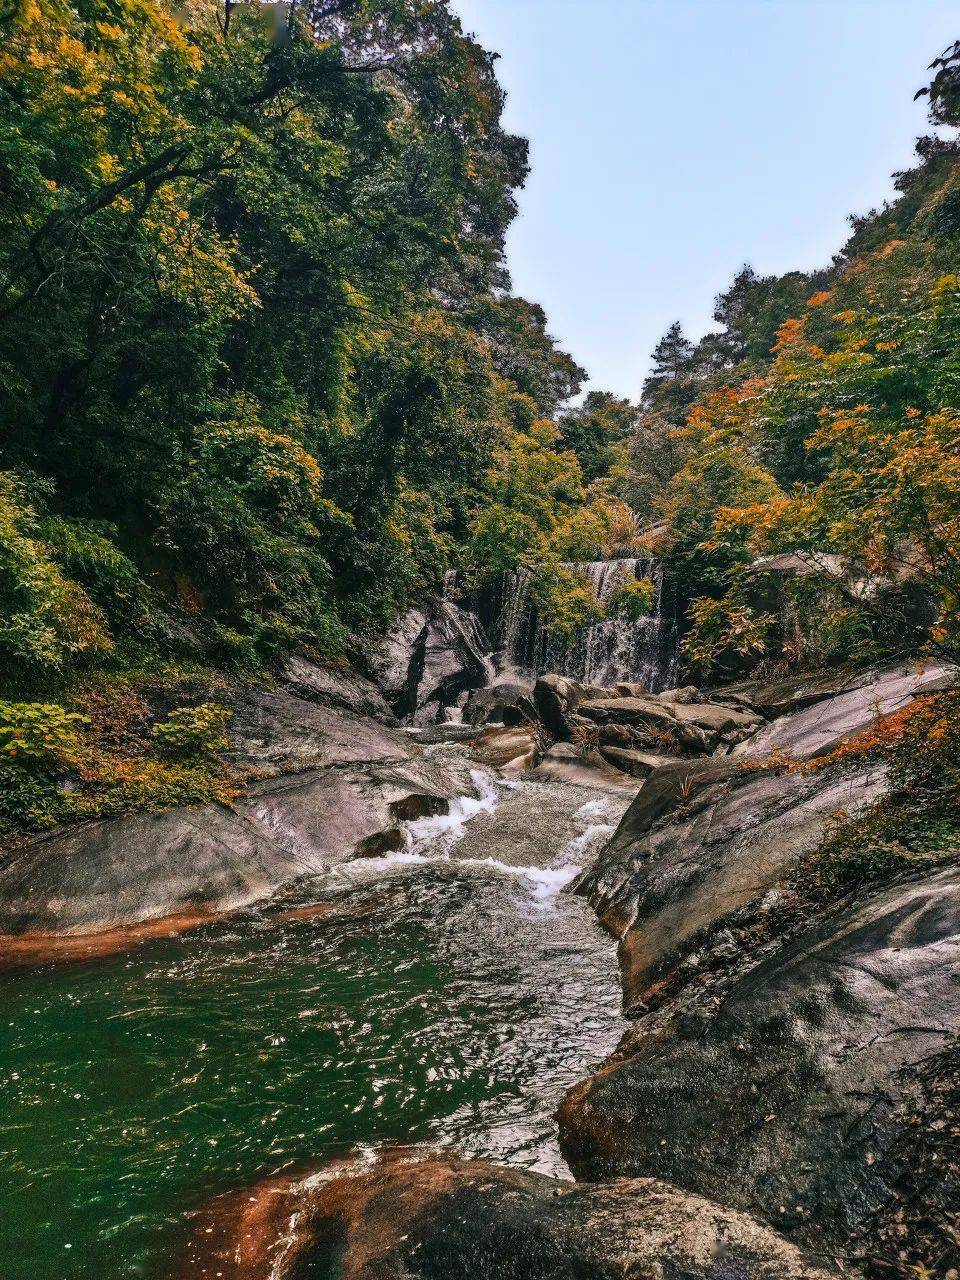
446	1002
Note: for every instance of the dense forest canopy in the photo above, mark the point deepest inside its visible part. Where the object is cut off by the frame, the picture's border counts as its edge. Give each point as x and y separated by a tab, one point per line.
263	379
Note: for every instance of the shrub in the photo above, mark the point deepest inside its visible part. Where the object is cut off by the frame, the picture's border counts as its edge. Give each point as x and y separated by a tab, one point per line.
46	619
725	634
632	598
38	735
193	732
918	823
27	801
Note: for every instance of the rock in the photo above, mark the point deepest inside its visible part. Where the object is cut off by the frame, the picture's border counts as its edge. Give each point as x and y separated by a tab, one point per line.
398	665
650	712
617	735
665	876
487	705
715	717
823	725
565	763
439	1218
335	687
512	749
683	697
639	764
210	858
431	660
792	1095
556	698
452	660
273	731
336	782
855	579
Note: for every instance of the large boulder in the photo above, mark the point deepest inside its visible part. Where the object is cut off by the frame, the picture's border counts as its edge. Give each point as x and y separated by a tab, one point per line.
556	698
438	1218
795	1090
701	839
335	686
502	702
330	786
431	660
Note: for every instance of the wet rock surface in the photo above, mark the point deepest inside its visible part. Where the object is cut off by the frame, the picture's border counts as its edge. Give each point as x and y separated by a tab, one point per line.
438	1217
818	727
334	782
430	662
789	1090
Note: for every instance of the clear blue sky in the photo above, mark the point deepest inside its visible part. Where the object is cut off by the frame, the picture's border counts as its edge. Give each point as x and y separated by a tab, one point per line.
674	140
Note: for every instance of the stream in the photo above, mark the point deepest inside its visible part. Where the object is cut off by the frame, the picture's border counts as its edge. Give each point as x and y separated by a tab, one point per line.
450	997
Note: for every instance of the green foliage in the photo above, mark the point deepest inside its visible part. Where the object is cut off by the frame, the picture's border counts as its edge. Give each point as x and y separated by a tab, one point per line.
725	634
38	735
46	619
631	598
191	732
565	600
254	334
595	429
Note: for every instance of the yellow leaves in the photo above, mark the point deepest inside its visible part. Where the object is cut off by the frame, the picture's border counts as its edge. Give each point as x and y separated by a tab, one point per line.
846	317
887	346
818	299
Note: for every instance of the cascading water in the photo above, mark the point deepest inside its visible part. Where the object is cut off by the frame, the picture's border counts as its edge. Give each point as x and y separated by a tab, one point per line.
615	649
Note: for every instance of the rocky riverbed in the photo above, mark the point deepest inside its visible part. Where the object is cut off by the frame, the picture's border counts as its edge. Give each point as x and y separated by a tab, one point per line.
783	1101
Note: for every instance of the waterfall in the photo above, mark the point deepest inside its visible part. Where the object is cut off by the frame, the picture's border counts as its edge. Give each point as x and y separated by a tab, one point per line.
607	652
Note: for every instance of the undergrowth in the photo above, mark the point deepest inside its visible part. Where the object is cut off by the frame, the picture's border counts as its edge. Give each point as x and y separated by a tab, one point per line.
115	743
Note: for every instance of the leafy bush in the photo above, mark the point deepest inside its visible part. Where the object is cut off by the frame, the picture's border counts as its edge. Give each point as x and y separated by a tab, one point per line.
46	619
27	801
89	554
725	634
565	600
38	735
193	732
632	598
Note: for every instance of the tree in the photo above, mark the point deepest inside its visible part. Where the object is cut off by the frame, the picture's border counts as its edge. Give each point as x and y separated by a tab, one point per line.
595	429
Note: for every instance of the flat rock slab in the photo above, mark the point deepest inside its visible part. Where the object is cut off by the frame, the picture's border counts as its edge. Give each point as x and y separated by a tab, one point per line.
442	1219
788	1098
210	858
820	728
273	730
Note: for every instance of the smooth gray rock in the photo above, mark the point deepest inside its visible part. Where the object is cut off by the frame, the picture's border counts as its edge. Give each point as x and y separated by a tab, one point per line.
665	876
431	660
329	786
818	729
790	1095
398	663
272	730
639	764
487	705
334	687
556	698
107	874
